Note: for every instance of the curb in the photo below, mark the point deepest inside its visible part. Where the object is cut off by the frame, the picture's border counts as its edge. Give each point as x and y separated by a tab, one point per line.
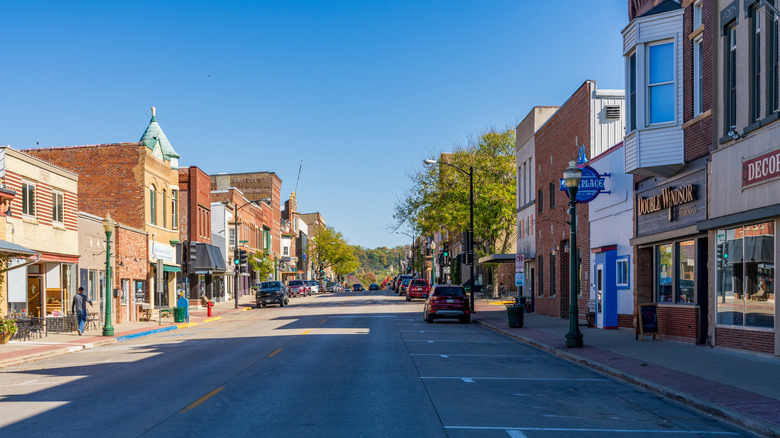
734	418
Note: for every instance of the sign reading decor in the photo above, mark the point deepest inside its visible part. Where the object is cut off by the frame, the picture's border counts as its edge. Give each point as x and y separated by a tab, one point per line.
760	169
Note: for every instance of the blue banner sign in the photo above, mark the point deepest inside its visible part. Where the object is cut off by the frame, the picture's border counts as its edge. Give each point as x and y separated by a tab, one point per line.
591	184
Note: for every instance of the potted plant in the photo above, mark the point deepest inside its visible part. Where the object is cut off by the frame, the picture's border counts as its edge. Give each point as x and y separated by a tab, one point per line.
7	328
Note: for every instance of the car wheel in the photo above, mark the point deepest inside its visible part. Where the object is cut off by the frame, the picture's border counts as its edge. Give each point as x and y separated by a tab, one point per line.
429	318
281	303
408	298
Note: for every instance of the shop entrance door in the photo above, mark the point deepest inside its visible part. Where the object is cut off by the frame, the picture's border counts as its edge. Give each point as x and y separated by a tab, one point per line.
599	296
34	296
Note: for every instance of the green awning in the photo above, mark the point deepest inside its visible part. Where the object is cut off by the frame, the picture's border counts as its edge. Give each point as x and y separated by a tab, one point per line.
169	268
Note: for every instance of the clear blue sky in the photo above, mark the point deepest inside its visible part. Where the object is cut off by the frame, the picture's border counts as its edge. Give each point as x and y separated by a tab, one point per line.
362	91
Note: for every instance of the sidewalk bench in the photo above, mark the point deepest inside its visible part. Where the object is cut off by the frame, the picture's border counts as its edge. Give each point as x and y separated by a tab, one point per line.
589	317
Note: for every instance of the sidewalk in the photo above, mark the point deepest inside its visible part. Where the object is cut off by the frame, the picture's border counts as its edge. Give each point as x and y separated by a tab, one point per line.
740	388
56	344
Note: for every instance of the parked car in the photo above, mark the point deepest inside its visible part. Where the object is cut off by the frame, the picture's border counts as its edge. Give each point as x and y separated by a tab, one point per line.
399	280
373	286
314	287
357	287
272	292
418	288
447	301
297	288
403	286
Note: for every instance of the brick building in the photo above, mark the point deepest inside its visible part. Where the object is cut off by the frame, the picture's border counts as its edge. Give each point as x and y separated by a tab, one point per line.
231	210
667	142
138	184
744	171
591	118
43	218
203	264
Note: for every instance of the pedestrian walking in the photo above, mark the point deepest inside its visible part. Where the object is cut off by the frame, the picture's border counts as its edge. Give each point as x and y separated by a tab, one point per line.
79	307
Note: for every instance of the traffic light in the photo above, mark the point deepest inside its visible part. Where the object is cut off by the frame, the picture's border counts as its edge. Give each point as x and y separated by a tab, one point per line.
193	253
242	260
446	252
235	257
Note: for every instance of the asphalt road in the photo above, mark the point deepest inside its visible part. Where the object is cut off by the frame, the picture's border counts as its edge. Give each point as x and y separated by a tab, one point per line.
334	365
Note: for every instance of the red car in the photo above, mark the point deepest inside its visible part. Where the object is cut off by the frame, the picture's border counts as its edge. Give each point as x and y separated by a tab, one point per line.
298	288
418	288
447	301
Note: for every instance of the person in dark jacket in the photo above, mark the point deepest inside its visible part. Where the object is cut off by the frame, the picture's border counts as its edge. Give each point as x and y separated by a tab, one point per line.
79	307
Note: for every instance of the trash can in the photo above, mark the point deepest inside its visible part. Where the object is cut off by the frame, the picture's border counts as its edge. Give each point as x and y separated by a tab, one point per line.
514	313
180	314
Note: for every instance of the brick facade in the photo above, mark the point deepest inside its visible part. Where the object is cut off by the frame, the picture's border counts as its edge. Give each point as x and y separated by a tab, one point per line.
557	142
132	263
194	205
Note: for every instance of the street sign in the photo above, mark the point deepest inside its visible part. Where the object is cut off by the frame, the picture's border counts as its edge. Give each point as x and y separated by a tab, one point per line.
519	278
519	263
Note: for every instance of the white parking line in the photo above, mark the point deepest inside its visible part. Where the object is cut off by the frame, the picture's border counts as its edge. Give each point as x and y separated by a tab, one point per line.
510	430
539	379
480	355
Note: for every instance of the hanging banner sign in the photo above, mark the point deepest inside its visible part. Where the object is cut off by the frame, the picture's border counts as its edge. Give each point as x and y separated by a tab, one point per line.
591	183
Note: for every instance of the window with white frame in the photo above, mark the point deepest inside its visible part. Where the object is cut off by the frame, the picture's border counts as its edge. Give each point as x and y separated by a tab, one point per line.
731	77
174	209
286	251
152	205
28	198
622	272
698	74
697	22
632	92
57	207
755	64
232	238
660	83
164	208
773	68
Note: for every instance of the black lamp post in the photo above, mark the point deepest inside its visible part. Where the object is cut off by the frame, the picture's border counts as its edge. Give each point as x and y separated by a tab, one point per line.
470	250
236	251
571	177
411	248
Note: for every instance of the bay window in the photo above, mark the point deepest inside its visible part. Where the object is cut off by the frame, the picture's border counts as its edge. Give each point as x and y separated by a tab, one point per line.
660	84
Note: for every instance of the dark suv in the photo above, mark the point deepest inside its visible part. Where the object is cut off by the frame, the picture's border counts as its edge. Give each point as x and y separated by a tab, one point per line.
272	292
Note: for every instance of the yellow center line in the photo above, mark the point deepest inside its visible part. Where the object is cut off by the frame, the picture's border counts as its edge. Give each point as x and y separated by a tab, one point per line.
201	400
307	331
323	321
274	353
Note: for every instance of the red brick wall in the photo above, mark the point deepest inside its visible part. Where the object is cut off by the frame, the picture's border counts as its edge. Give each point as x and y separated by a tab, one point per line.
625	321
762	342
557	143
194	205
110	178
132	250
679	322
698	136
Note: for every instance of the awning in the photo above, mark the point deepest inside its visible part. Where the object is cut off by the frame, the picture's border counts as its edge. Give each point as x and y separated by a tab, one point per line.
169	268
498	258
8	248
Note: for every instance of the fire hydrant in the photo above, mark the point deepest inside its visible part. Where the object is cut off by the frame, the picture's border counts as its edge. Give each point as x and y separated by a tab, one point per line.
210	305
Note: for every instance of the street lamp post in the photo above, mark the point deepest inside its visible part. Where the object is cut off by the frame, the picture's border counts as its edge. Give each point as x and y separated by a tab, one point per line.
108	227
236	249
571	177
411	248
470	250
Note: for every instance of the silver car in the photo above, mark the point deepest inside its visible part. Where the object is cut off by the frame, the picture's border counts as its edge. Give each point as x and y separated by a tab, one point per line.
315	286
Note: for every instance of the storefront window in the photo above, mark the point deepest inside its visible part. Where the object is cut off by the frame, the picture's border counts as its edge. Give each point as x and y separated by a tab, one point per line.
665	272
686	273
745	275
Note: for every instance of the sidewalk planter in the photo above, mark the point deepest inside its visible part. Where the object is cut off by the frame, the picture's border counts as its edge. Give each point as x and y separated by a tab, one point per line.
514	313
7	328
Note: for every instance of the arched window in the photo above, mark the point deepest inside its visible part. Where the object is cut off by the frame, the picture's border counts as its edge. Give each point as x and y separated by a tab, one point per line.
152	205
163	208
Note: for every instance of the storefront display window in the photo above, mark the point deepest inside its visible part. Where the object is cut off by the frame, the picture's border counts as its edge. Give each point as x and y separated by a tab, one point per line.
676	272
745	275
665	270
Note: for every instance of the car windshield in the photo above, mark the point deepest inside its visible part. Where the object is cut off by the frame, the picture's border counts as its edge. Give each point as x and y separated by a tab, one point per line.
419	283
449	291
295	283
406	281
270	285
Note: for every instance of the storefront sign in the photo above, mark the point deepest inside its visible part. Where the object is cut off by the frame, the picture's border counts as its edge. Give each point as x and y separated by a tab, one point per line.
164	252
762	168
666	207
668	198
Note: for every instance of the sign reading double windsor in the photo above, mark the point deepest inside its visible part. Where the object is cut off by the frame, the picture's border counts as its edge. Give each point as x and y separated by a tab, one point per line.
591	183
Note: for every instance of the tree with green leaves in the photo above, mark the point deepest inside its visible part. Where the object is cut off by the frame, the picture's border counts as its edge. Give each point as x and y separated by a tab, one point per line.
262	264
438	197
